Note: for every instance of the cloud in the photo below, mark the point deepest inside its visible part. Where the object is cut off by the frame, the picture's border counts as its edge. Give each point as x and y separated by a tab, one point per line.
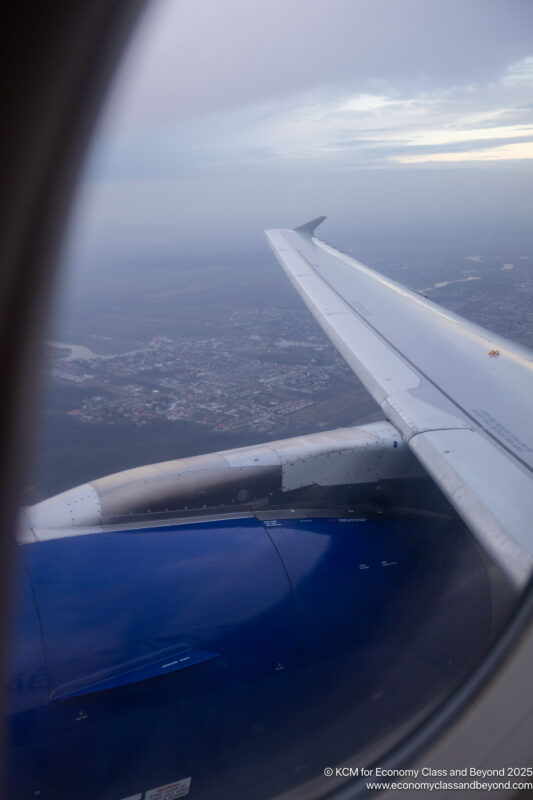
519	73
518	151
193	58
292	108
364	120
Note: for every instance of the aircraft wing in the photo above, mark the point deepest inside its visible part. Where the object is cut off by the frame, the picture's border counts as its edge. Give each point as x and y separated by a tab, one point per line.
460	395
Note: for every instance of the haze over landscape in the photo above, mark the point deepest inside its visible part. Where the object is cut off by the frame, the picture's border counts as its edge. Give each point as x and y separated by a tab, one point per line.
408	124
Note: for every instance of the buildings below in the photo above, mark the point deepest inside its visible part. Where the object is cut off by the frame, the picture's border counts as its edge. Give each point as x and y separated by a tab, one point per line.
209	370
242	380
270	369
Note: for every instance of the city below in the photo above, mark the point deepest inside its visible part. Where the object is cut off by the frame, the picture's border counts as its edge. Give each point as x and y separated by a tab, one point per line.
235	382
173	361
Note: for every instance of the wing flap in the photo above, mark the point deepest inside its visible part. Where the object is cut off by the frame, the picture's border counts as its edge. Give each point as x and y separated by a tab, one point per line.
490	493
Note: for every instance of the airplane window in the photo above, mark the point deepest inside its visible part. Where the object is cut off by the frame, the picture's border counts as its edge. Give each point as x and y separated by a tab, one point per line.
277	512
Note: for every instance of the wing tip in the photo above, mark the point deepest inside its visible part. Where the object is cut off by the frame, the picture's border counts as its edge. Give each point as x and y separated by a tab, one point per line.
309	227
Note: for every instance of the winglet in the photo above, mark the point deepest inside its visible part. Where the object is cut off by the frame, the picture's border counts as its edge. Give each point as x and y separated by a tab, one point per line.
309	227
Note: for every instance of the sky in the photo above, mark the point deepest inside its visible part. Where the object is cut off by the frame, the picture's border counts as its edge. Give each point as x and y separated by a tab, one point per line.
228	118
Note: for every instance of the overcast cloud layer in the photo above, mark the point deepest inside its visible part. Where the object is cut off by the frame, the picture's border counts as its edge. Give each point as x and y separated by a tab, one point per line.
263	113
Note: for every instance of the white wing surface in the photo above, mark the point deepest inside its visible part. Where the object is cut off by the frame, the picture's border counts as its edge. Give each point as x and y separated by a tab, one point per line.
460	395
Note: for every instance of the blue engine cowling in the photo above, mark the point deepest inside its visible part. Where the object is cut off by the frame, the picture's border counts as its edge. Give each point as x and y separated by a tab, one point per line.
232	658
